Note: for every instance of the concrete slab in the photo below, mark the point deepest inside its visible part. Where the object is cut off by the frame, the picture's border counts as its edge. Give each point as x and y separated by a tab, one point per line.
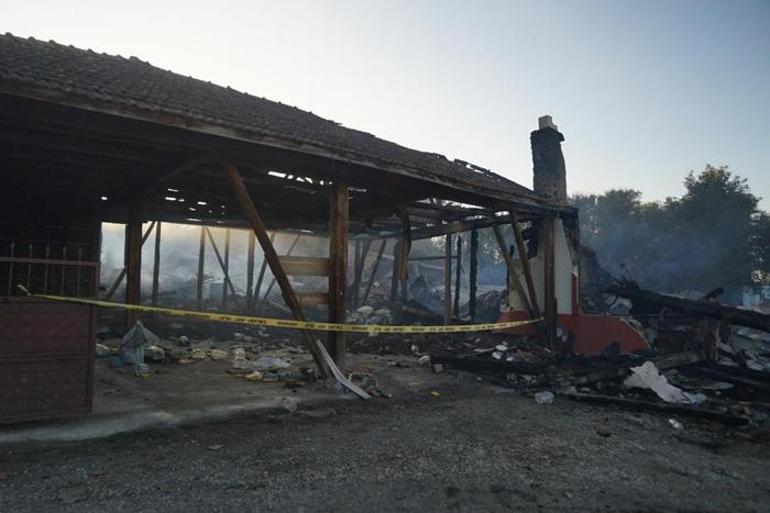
182	394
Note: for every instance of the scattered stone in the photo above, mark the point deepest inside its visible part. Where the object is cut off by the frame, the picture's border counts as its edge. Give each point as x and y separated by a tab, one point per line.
437	368
142	370
289	404
183	341
433	393
218	354
102	351
198	354
424	360
270	363
676	424
254	376
215	447
240	337
154	354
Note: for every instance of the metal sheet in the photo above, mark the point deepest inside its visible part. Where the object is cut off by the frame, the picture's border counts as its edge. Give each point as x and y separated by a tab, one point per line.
46	359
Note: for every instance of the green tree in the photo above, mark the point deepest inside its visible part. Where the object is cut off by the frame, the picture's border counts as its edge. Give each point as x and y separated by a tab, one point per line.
712	236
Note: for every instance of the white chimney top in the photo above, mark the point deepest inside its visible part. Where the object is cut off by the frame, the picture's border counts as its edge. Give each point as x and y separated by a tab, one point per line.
546	122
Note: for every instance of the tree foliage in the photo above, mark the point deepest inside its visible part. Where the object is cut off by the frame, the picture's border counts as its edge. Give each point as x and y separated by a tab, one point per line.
713	235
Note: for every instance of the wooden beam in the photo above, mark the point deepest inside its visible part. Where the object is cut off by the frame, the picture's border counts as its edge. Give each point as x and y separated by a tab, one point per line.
250	272
137	192
313	298
374	271
473	278
122	274
513	278
156	265
521	249
226	270
404	249
262	269
362	251
305	266
288	253
133	258
394	277
339	205
222	263
448	279
201	262
458	271
252	215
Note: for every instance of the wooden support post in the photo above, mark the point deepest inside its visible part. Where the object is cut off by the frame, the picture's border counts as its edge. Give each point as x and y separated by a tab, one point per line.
338	256
474	273
122	274
288	253
250	273
226	270
448	279
374	270
156	265
521	249
201	262
549	280
458	272
513	278
133	258
404	249
361	252
394	278
261	276
252	216
222	262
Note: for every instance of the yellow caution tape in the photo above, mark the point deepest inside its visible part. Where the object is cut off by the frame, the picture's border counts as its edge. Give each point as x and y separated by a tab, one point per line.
287	323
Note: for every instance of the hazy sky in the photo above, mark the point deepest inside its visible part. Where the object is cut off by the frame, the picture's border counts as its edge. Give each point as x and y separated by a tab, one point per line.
644	91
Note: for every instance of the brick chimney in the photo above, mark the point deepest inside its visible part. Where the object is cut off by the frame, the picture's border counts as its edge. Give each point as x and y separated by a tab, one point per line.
550	174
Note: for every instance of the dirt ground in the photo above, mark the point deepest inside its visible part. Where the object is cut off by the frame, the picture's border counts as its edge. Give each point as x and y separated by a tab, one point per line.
473	448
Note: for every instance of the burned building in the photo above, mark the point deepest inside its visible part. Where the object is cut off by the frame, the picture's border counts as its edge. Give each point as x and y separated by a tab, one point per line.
88	138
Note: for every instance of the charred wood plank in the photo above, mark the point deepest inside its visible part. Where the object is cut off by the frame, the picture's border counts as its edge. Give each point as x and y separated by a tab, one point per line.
714	310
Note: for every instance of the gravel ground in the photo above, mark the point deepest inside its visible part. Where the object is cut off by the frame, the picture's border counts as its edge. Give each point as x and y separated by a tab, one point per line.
474	448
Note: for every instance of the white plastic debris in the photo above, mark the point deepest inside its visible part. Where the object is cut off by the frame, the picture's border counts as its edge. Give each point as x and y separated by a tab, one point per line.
544	397
647	376
365	310
424	360
497	355
501	347
134	342
676	424
437	368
